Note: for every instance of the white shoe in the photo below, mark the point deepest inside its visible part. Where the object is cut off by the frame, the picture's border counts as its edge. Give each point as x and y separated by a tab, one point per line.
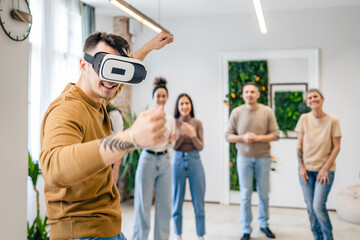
177	237
200	238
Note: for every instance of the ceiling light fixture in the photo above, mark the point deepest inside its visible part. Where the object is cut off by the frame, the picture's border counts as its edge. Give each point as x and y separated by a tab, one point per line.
260	16
133	12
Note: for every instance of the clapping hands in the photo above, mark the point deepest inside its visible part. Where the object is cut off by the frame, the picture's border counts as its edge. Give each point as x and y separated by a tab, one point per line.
187	129
250	137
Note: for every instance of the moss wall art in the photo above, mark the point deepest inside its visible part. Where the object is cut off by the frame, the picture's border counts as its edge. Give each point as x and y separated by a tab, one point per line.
239	74
289	105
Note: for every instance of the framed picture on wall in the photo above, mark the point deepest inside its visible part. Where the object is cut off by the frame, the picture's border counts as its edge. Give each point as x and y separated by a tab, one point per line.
288	101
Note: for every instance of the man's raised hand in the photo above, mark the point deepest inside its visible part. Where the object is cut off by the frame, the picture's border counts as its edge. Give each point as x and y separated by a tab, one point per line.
149	128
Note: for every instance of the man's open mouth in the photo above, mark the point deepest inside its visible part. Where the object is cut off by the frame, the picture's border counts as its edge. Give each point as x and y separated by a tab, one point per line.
109	85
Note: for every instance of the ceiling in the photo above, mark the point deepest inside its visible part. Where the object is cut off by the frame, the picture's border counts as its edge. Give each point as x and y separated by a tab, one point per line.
158	9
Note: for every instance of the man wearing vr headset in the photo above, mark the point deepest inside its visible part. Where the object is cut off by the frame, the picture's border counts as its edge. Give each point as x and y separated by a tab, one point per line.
77	148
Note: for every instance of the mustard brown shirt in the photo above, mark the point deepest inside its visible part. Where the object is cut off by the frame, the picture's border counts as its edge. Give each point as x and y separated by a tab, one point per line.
81	197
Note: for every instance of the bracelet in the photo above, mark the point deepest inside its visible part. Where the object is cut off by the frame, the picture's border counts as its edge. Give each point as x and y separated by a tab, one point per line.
132	138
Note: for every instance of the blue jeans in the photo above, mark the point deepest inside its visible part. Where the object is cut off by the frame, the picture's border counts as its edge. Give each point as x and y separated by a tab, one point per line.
117	237
153	173
316	195
246	167
188	165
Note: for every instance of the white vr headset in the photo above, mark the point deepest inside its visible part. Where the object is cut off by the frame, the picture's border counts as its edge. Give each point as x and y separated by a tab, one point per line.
117	68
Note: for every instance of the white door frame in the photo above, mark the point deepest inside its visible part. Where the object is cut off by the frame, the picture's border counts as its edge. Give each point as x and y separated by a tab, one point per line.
312	55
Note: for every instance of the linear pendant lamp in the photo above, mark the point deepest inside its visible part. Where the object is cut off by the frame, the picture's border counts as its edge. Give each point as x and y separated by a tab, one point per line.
260	16
133	12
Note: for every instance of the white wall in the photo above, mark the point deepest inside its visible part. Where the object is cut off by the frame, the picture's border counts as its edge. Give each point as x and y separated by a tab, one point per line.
13	141
104	23
191	64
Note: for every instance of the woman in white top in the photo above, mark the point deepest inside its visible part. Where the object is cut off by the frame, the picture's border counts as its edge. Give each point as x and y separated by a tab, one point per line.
154	174
318	147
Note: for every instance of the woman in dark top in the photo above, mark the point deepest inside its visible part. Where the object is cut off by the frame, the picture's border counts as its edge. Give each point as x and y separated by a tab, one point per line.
187	164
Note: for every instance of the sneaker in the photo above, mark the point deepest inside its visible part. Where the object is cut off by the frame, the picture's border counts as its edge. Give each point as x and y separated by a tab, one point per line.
200	238
267	232
177	237
246	236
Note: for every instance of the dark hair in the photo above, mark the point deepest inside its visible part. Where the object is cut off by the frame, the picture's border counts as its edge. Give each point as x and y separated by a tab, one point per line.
112	40
159	82
177	113
249	84
315	90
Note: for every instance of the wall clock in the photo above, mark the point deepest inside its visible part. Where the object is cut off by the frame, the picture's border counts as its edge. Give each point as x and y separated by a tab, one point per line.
15	19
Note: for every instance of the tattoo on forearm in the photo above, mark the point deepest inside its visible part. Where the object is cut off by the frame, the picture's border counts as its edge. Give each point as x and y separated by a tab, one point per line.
114	143
300	155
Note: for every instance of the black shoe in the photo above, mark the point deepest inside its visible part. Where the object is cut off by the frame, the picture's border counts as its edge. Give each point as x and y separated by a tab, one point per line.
267	232
246	236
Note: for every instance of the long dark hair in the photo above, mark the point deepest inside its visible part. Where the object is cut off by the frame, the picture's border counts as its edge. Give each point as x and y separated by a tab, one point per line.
177	113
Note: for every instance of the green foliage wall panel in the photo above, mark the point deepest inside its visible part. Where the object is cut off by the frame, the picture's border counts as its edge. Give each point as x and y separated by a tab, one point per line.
239	74
289	105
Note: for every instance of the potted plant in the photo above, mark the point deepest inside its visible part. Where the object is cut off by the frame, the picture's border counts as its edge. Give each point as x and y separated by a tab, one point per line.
37	230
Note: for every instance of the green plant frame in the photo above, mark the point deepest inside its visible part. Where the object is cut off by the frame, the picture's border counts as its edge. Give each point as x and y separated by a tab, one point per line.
289	106
288	102
239	74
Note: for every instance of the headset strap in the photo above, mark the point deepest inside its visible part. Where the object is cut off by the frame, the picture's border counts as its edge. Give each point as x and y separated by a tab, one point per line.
89	59
121	51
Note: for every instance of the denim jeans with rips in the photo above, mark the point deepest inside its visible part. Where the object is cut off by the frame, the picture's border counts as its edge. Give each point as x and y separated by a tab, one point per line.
315	195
